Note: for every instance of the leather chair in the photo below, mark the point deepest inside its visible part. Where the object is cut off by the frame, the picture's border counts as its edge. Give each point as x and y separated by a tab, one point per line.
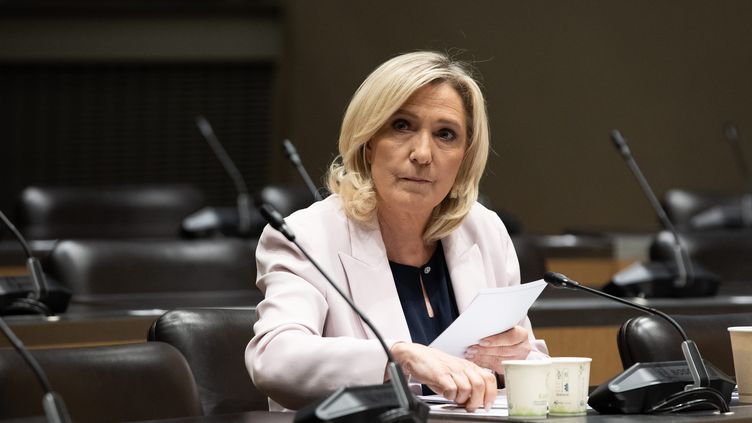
683	207
100	384
129	266
213	342
286	199
725	253
148	211
650	338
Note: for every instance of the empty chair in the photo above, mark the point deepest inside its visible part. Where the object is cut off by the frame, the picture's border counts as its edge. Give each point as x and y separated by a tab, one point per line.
286	199
693	210
148	211
650	338
128	266
213	341
725	253
102	384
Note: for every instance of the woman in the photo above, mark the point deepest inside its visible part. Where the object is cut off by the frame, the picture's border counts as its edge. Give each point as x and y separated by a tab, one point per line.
403	235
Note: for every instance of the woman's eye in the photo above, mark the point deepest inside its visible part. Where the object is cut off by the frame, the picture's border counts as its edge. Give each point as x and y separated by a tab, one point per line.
401	125
447	135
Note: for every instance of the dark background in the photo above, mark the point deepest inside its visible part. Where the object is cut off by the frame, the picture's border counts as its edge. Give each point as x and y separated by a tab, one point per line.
105	92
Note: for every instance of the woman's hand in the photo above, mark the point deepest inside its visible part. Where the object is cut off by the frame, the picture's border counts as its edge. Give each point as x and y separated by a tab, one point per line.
510	345
455	379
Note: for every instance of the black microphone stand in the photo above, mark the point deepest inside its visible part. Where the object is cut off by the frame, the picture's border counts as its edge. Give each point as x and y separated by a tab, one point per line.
685	282
52	403
294	157
33	302
243	199
409	408
698	393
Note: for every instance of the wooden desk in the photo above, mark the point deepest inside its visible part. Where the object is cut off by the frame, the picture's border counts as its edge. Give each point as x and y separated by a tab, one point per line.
740	414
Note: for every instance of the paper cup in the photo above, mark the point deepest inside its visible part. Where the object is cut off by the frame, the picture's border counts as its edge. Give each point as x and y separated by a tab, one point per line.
568	389
527	387
741	346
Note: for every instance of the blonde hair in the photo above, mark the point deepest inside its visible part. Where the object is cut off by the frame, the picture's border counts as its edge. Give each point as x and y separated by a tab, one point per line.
384	91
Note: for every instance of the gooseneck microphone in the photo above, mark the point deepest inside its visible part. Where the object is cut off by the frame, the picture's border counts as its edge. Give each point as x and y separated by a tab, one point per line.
243	198
684	264
364	403
656	388
294	157
52	403
647	277
33	302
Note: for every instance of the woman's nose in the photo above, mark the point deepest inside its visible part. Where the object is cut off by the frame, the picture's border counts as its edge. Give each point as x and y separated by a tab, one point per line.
421	148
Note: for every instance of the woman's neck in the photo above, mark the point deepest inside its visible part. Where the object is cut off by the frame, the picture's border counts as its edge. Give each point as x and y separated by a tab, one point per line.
403	237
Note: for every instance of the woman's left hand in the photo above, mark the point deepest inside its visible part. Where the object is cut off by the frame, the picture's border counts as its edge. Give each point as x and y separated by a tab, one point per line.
510	345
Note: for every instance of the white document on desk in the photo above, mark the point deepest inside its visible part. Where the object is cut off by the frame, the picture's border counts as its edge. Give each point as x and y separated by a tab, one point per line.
492	311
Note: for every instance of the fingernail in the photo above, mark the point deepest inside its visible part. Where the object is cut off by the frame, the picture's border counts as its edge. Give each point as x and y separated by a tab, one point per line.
470	352
488	406
484	343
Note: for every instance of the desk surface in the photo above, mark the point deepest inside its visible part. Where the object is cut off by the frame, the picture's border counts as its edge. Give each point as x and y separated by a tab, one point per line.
740	414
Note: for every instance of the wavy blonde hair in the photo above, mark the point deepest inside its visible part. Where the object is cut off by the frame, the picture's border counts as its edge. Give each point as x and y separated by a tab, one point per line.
384	91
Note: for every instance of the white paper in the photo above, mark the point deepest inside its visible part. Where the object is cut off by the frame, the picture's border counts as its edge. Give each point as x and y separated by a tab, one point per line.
492	311
441	405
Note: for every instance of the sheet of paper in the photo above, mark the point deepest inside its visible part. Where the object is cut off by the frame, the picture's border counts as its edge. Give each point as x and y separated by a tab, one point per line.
441	405
492	311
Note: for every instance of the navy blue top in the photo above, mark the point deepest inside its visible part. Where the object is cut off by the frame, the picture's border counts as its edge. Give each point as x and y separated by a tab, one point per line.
435	275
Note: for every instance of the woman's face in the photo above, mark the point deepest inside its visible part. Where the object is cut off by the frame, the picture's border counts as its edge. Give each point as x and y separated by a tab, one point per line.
416	155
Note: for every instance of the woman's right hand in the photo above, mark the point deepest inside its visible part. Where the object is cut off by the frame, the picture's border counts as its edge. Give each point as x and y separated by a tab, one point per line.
454	378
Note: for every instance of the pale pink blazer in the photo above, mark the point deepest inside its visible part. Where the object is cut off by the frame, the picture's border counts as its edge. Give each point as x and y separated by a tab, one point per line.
308	342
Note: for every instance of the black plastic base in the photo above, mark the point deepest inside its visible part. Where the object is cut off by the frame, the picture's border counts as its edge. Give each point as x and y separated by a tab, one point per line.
642	387
361	404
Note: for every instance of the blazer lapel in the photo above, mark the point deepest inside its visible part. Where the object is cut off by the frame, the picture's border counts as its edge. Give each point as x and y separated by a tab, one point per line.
465	265
372	284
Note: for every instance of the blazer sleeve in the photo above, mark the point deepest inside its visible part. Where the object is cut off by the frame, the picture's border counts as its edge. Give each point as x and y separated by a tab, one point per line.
289	358
539	350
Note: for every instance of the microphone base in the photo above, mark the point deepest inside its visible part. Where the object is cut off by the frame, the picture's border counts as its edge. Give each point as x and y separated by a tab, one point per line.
362	404
656	279
645	387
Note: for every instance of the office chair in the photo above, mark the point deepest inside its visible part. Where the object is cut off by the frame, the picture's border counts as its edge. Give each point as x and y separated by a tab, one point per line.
147	211
285	198
102	384
213	341
91	267
650	338
725	253
693	210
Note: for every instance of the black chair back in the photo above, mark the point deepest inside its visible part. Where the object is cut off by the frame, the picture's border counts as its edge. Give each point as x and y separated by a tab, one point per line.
646	339
102	384
683	207
286	199
725	253
130	266
213	341
148	211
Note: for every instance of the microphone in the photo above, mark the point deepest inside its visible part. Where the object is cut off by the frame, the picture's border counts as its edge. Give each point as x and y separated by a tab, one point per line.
34	300
655	278
243	198
657	387
294	157
52	403
387	403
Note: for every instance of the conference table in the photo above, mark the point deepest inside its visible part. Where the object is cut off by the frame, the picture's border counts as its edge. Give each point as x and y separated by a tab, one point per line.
739	414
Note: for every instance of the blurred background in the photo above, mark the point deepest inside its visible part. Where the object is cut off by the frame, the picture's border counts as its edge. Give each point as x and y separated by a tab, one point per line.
105	93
